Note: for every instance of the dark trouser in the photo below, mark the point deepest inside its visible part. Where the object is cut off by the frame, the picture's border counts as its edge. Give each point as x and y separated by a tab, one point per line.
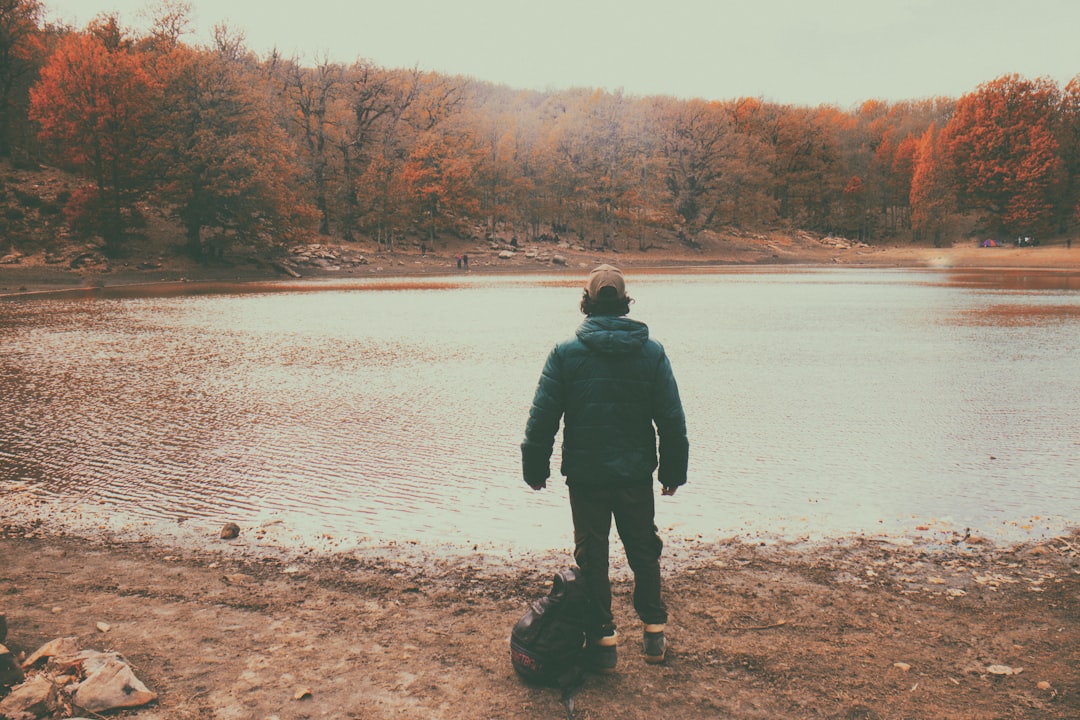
633	508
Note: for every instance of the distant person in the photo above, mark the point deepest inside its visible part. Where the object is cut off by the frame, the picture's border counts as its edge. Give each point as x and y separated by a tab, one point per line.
465	261
1068	243
610	385
458	261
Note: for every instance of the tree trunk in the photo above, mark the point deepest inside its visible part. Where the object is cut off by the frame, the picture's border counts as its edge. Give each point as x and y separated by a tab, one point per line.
193	235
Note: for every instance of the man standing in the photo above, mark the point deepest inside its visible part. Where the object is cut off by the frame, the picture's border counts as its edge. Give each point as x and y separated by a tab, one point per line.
615	390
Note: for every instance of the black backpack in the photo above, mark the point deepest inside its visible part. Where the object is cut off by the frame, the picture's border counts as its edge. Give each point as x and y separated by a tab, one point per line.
548	643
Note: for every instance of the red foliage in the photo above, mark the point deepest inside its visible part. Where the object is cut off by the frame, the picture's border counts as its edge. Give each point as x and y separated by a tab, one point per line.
1002	146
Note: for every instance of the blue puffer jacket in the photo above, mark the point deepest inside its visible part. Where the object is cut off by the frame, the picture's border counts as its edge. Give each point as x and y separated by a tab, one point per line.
612	384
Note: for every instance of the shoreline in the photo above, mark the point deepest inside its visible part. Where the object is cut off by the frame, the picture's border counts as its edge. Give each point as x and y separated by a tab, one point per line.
34	278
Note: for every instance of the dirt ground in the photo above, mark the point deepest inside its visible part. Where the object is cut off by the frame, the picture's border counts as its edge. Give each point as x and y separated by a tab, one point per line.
857	628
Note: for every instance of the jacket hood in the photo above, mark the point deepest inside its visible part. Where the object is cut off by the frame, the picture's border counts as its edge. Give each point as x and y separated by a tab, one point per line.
613	334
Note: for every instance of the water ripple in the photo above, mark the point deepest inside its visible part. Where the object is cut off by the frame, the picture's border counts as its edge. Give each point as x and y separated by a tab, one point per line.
817	403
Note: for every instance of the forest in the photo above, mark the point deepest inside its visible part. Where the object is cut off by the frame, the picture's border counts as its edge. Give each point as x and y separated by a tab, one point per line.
242	149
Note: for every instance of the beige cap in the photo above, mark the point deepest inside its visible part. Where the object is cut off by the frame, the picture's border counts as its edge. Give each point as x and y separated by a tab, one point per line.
603	276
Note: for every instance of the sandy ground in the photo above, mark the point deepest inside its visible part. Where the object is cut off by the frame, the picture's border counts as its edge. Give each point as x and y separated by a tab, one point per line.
851	629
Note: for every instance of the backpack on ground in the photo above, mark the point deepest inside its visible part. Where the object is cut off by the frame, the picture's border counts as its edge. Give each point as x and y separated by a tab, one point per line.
547	644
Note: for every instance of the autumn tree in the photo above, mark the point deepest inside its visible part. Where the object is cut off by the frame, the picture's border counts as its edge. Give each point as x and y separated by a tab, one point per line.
20	56
438	177
170	22
1001	144
865	149
508	179
613	143
1069	140
749	199
381	136
597	143
374	102
897	192
312	95
805	161
496	169
226	167
413	145
708	164
932	192
442	161
560	156
93	102
694	141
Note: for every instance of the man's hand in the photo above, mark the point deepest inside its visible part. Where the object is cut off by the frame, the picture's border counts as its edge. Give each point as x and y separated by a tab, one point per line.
540	486
668	490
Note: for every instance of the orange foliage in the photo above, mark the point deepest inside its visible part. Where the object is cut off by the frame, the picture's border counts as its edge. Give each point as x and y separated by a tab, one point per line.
930	196
247	147
1002	146
93	101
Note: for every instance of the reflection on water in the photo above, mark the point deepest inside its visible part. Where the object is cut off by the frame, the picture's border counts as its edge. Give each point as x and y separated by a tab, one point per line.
1005	279
819	403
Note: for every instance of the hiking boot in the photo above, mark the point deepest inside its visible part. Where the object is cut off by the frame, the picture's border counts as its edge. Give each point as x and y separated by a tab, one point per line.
654	644
602	654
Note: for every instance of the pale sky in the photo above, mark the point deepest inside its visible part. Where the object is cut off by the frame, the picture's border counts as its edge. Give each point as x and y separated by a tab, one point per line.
800	52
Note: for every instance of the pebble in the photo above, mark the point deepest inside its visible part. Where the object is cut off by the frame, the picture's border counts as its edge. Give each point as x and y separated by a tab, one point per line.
1003	670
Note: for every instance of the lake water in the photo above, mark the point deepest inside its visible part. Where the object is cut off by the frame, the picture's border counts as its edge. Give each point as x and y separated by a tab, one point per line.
820	403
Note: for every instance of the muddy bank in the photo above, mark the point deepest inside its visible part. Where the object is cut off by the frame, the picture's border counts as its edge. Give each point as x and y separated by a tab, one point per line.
860	627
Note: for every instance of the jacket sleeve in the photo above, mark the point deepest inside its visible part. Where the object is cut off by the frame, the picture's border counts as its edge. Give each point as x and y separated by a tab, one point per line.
543	424
670	426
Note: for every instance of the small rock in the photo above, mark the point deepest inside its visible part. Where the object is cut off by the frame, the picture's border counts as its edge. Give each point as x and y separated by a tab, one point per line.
1043	685
1003	670
302	694
35	698
111	684
53	648
903	666
103	627
230	531
238	579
